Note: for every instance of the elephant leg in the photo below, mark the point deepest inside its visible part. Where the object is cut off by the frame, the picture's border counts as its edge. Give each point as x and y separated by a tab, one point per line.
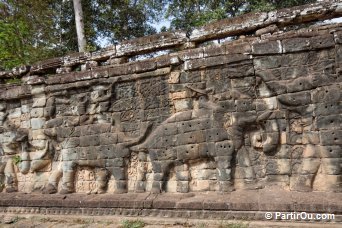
68	178
2	176
224	173
308	170
52	186
159	170
101	181
183	177
10	177
140	185
119	174
244	161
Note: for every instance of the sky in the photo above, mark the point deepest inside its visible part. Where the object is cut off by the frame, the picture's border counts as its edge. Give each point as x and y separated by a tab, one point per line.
166	23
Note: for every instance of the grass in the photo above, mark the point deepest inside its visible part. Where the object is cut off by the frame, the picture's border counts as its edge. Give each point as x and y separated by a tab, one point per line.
133	224
16	159
13	81
233	225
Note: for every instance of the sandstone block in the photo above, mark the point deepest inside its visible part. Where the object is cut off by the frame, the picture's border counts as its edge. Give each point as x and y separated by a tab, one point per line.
37	123
174	77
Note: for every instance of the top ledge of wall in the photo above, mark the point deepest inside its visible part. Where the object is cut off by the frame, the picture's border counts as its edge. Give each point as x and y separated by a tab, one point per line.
258	27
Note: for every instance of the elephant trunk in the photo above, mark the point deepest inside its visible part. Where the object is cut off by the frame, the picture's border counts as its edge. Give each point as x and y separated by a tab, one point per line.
24	164
38	161
144	133
271	137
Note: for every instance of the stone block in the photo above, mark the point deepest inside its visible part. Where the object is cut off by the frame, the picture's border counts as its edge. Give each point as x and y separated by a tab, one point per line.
88	153
25	124
278	167
95	129
227	105
329	94
295	99
324	41
216	135
14	113
191	125
300	84
54	123
331	166
331	137
324	109
108	138
182	176
244	105
174	77
268	47
89	140
269	74
182	104
330	151
38	143
37	123
206	149
187	152
200	185
245	82
37	134
39	102
296	44
190	138
71	142
25	109
179	95
267	62
37	89
163	154
311	137
224	148
71	154
329	122
37	112
310	165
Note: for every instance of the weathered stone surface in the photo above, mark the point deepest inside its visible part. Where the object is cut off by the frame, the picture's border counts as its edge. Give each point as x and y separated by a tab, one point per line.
269	47
253	112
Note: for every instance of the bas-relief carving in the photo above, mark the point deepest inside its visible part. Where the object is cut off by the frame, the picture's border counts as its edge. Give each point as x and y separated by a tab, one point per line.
202	127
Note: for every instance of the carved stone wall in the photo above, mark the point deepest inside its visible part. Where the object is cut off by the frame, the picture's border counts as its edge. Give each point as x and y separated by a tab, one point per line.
260	109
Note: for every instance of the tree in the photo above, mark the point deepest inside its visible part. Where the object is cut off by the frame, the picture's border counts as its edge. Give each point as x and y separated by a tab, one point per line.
79	25
33	30
26	32
187	14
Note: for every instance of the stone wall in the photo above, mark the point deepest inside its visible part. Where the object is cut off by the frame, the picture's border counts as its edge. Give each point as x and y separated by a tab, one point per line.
260	108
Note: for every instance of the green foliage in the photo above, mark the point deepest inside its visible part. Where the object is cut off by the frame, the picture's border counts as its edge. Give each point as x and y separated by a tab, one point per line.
187	14
25	32
34	30
133	224
17	159
13	81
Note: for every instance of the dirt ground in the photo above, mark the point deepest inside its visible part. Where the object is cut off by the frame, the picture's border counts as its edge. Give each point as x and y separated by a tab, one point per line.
41	221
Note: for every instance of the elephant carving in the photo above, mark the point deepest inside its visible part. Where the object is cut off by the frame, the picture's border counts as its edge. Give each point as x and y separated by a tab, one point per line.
207	131
16	152
98	145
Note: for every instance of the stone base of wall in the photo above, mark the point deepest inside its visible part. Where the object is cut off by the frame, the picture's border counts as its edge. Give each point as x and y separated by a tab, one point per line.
247	205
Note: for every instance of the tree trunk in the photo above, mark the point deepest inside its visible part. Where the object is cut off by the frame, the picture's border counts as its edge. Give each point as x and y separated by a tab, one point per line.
79	25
